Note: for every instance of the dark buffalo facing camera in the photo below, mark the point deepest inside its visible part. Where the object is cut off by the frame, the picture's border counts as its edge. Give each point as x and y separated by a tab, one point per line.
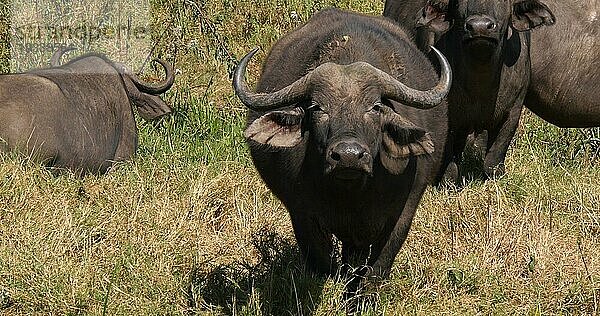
345	130
78	116
487	43
564	58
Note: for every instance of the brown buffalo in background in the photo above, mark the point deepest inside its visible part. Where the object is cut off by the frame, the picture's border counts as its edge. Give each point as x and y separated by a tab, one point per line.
78	116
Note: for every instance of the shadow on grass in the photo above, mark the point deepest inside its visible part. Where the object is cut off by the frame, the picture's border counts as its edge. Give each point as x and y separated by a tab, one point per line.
276	285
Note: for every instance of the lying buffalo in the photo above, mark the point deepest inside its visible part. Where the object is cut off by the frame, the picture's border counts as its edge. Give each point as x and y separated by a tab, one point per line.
487	44
344	129
78	116
564	61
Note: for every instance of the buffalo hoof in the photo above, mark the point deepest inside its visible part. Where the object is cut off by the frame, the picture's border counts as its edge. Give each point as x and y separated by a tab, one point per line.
496	171
361	289
451	176
359	304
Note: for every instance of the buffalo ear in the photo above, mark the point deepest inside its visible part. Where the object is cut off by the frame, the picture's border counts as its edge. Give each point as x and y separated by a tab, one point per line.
277	128
402	139
150	107
529	14
433	15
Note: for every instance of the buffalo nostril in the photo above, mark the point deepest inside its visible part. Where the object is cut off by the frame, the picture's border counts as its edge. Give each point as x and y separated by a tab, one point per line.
480	24
335	156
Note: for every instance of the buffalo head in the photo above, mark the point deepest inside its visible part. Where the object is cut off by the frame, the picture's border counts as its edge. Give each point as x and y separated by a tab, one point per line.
481	26
346	110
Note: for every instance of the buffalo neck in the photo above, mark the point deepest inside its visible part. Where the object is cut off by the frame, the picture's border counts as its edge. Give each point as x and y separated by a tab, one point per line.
478	77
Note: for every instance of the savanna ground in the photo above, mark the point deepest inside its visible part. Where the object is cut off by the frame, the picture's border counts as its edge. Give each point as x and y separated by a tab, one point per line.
189	228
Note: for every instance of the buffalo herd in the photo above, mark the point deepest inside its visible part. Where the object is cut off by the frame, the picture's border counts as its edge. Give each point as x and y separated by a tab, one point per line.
349	121
353	116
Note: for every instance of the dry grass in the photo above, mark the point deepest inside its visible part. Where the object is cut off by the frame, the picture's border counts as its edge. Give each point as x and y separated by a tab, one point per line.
189	228
72	244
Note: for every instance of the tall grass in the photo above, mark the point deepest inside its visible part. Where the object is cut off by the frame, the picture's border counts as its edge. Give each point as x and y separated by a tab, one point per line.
4	36
188	227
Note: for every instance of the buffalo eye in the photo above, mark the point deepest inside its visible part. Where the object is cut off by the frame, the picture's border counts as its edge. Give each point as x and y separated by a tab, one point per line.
317	112
377	107
315	107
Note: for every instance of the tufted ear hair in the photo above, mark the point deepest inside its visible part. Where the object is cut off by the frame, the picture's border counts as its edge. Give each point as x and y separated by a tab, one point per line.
149	107
529	14
282	128
433	15
401	140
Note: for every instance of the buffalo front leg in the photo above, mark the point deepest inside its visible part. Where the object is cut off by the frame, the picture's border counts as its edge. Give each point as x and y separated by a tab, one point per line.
498	142
455	167
127	140
315	244
356	265
386	253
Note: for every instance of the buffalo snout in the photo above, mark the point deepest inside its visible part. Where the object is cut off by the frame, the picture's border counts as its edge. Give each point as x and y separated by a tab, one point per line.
480	25
349	159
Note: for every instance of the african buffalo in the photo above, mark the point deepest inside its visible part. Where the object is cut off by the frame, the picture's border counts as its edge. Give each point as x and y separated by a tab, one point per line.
345	131
78	116
564	66
487	44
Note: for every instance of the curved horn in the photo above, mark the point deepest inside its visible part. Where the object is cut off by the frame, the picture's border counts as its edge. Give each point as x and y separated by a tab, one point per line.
267	101
396	90
154	88
55	59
